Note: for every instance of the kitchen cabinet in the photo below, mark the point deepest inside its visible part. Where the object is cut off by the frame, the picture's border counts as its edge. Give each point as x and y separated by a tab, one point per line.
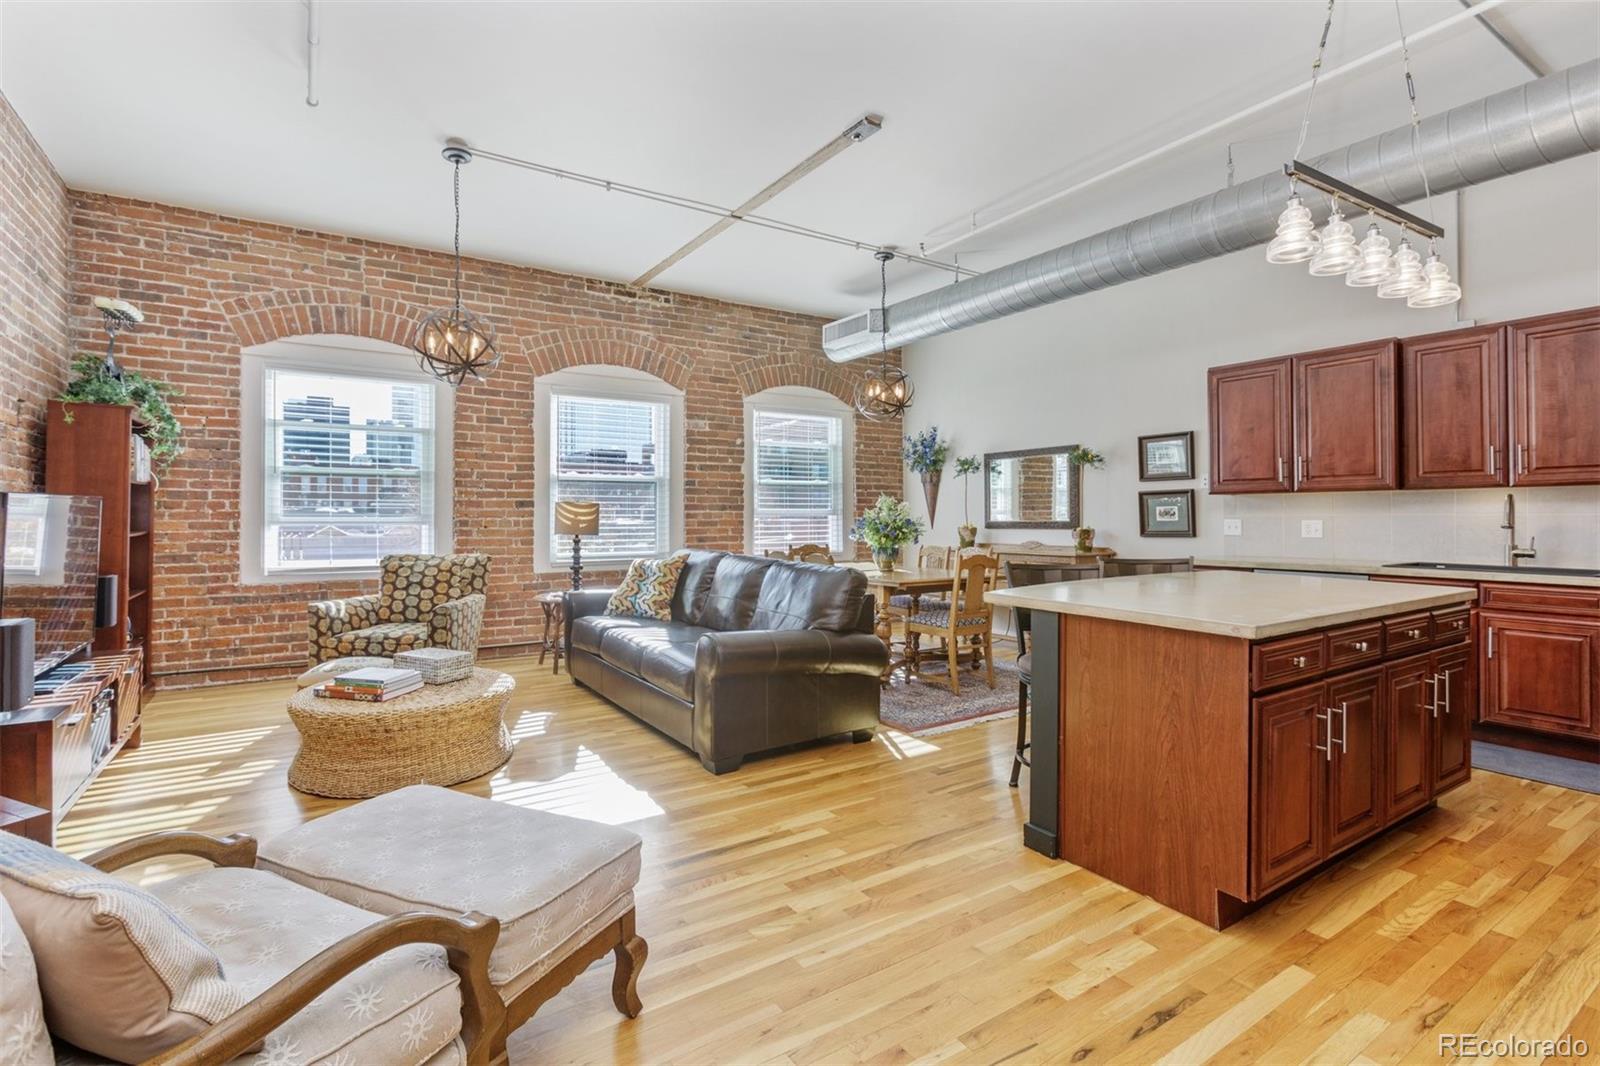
1355	800
1540	672
1453	417
1408	690
1251	422
1345	420
1291	782
1455	705
1554	394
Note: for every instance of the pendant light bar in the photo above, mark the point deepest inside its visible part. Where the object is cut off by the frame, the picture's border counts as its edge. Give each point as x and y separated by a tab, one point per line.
1309	175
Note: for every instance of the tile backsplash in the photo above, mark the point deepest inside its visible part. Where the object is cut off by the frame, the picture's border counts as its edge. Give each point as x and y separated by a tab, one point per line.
1423	525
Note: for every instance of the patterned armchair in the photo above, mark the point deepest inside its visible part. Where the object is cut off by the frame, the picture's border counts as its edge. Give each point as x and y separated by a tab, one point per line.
422	601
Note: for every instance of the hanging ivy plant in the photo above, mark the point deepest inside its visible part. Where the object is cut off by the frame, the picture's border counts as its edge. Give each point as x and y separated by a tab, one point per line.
147	397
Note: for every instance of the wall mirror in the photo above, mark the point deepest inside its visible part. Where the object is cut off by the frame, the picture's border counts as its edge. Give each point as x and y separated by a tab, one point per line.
1038	488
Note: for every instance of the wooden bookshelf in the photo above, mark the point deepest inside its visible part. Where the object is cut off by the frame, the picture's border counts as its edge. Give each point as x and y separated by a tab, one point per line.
89	451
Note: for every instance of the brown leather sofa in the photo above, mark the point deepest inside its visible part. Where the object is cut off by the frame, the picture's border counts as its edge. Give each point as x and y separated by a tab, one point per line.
759	654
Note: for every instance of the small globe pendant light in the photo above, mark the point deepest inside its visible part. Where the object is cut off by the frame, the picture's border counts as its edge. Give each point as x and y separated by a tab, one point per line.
1336	252
1376	264
884	391
1439	291
1407	277
452	343
1297	235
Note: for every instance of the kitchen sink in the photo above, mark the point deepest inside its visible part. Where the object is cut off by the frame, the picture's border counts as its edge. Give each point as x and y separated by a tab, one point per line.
1555	571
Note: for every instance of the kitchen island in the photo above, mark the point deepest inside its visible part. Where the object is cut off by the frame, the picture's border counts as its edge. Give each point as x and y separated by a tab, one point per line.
1209	738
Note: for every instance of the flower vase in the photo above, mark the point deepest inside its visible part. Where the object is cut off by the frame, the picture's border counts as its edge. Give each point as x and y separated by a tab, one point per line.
930	492
967	534
886	559
1085	545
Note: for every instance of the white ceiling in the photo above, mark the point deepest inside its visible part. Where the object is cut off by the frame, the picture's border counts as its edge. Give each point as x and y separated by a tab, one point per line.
202	104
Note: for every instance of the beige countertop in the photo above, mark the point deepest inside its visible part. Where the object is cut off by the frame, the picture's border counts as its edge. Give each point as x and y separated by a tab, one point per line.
1355	566
1232	604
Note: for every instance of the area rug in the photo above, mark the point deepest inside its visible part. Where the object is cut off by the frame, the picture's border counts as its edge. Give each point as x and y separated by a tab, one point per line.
1536	766
928	706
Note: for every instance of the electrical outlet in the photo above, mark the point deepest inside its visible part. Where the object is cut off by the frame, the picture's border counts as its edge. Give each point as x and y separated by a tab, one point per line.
1311	527
1233	527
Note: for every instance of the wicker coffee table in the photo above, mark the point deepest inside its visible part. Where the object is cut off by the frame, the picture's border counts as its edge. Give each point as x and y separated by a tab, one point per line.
439	735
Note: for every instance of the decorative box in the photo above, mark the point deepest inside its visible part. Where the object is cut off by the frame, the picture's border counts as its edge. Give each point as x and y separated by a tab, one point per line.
438	666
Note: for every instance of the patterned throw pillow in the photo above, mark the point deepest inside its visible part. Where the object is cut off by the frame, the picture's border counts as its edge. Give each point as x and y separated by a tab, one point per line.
646	592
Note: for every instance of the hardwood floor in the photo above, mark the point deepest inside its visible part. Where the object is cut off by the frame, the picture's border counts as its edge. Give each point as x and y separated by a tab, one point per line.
874	902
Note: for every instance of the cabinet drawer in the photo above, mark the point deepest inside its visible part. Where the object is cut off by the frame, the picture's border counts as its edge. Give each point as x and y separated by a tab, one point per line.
1452	626
1355	645
72	761
1286	661
1407	631
1543	599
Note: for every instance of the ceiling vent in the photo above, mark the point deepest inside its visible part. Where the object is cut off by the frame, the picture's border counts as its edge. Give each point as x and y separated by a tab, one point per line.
848	331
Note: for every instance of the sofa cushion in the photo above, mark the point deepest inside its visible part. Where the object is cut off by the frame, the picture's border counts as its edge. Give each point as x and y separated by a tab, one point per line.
810	596
402	1007
656	652
24	1040
731	600
648	587
547	877
693	585
383	640
120	974
589	631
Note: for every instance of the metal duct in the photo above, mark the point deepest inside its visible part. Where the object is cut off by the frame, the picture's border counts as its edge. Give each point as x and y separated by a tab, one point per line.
1544	121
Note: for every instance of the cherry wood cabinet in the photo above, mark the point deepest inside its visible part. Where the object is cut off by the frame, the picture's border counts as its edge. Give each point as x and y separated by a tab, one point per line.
1554	397
1345	419
1355	758
1540	672
1453	409
1455	706
1251	422
1290	783
1408	691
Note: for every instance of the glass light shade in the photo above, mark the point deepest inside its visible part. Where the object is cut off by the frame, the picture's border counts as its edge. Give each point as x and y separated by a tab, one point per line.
1407	277
1297	235
453	344
1376	264
1440	290
1336	252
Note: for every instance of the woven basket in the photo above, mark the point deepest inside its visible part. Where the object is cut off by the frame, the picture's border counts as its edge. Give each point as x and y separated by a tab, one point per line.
438	666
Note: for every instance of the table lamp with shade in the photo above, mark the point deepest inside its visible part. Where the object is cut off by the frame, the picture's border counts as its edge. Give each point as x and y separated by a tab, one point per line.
577	519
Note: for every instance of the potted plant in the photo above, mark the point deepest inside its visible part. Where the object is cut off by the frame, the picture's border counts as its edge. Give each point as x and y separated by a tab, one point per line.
925	454
886	527
966	466
93	383
1082	456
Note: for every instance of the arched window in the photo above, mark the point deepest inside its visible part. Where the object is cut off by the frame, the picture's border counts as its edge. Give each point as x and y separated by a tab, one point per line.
799	452
613	435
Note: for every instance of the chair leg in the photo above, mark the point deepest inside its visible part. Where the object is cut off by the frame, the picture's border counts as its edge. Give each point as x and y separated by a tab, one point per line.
988	654
1022	732
953	652
630	955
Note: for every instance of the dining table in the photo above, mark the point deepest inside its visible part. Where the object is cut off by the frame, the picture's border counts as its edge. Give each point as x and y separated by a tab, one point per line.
916	582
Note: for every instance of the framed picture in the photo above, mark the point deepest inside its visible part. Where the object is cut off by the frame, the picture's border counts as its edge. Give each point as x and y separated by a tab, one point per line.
1166	457
1166	514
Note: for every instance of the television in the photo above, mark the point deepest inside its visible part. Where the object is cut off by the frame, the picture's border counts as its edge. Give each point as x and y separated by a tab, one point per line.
50	570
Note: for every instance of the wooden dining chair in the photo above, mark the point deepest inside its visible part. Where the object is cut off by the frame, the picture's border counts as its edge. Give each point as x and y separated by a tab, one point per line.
1018	575
966	615
1116	567
811	553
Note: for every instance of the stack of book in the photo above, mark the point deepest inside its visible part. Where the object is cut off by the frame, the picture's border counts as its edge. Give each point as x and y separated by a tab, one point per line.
372	684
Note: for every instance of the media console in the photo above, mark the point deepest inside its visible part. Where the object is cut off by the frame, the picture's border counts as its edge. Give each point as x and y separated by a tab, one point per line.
81	715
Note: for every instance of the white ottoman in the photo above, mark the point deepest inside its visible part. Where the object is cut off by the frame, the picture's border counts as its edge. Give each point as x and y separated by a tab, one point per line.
561	887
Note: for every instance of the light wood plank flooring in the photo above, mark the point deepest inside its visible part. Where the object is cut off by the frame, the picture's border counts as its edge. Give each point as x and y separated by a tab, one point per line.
874	903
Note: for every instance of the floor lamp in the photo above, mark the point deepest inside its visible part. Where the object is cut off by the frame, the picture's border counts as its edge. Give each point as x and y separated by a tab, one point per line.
577	519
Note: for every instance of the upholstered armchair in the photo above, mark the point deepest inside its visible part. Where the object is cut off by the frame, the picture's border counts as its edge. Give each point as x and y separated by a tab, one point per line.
422	601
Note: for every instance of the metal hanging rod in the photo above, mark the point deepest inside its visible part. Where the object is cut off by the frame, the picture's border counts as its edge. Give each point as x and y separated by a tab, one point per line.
1301	172
717	210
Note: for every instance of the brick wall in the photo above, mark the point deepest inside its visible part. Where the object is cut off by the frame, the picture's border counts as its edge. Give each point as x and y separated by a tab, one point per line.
210	286
34	352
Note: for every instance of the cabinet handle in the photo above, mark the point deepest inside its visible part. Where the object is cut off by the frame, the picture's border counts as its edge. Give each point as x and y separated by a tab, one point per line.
1491	461
1300	467
72	720
1344	727
1444	689
1491	642
1522	467
1280	468
1413	633
1431	684
1299	662
1326	747
1360	645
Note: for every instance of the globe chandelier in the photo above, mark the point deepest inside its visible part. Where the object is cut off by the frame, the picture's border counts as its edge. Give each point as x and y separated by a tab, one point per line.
884	391
453	343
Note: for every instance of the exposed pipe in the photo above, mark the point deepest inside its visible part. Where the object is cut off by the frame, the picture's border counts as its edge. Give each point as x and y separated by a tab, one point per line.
1473	11
313	39
1540	122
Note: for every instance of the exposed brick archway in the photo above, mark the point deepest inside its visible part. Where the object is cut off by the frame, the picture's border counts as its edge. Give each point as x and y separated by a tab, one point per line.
573	346
278	313
758	375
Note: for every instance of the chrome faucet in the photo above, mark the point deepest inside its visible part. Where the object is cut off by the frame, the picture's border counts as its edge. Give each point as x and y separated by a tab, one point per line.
1509	524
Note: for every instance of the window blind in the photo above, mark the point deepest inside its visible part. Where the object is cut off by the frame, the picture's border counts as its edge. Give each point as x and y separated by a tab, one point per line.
1061	490
350	469
798	473
615	452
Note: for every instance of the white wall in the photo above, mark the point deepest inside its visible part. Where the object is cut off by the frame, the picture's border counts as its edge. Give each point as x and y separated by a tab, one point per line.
1105	368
